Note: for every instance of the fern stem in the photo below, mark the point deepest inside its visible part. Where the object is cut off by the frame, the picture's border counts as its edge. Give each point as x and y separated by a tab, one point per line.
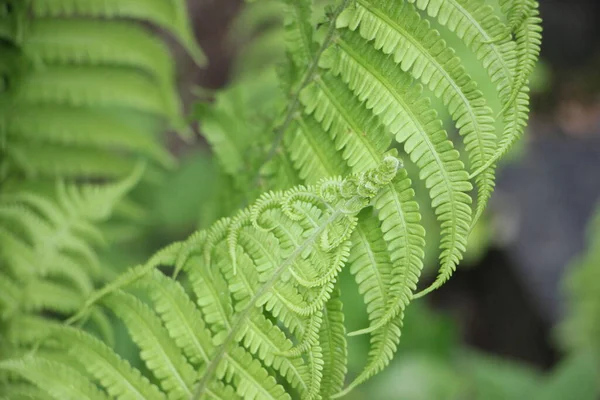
295	99
241	320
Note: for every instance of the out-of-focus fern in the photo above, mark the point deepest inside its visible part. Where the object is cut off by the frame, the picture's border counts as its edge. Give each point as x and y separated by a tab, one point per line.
87	88
580	331
48	260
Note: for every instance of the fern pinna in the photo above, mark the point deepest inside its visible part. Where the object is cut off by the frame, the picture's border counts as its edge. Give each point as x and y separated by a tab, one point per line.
255	311
262	312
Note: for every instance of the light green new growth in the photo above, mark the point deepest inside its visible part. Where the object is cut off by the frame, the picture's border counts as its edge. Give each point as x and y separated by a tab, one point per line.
249	308
260	306
365	88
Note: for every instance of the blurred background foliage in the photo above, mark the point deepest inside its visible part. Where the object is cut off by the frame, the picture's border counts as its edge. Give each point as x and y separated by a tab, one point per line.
521	318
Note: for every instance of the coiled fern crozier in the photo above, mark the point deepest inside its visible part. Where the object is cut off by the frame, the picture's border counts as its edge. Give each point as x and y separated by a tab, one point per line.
250	308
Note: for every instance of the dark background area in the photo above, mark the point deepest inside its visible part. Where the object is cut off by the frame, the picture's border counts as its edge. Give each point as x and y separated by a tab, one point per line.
509	302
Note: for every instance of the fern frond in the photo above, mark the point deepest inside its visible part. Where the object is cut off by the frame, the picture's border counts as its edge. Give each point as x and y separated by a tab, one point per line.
23	391
311	151
371	266
252	308
299	32
361	137
80	128
48	243
95	42
485	34
93	86
39	295
85	67
529	39
391	94
384	343
159	352
405	239
335	352
54	378
45	160
171	15
515	11
181	318
418	49
10	296
115	374
515	118
239	331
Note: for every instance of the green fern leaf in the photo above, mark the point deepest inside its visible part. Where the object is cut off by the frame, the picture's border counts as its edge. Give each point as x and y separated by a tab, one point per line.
252	381
81	127
400	32
409	117
22	391
93	86
256	313
168	14
115	374
311	151
405	238
54	378
298	32
160	354
98	42
44	160
529	40
515	11
39	295
487	36
180	317
355	132
335	352
384	343
361	137
371	266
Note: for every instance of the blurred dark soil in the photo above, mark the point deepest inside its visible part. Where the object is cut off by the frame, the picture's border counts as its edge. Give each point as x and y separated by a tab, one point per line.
494	311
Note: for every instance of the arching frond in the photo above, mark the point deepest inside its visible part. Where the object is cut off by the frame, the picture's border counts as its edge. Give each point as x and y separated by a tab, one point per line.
242	324
476	23
410	118
252	309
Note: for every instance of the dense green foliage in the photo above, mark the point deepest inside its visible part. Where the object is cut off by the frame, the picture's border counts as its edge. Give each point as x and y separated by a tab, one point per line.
249	307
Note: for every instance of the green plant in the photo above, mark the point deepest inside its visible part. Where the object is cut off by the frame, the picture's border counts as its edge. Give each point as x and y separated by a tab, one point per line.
579	332
265	319
86	91
86	84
